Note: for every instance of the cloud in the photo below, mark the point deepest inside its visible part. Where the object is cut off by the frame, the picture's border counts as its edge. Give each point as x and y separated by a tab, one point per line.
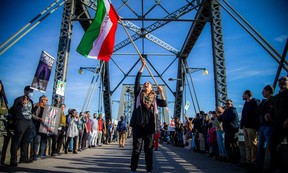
281	38
243	73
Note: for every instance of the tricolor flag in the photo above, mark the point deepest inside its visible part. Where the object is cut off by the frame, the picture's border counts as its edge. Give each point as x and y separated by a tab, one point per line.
98	40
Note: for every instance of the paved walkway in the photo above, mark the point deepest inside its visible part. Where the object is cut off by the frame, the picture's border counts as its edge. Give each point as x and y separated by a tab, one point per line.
110	158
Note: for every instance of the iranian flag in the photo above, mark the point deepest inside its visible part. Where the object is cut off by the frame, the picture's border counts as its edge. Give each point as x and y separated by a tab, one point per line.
98	40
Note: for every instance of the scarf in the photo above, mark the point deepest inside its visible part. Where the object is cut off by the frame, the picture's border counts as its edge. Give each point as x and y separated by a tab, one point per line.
148	99
154	106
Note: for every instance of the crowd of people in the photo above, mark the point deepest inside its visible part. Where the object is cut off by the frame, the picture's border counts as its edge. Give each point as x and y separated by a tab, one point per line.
76	131
264	125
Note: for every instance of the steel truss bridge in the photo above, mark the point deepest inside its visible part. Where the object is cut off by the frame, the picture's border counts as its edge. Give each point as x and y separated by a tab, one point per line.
146	20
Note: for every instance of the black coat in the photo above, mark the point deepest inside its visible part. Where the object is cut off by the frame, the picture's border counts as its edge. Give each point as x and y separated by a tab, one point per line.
141	117
250	114
16	109
230	120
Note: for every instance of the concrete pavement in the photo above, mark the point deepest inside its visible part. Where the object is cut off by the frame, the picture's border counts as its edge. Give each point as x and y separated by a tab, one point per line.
111	158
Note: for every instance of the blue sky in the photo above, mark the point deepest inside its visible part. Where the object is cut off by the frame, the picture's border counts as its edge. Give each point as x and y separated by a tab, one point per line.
248	65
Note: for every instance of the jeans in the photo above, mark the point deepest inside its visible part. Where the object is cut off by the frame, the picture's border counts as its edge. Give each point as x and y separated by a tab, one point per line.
264	137
41	139
81	133
193	143
220	142
99	138
74	139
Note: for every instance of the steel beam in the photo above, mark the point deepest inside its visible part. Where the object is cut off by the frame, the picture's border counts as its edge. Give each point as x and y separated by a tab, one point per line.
63	47
196	28
106	93
218	55
145	32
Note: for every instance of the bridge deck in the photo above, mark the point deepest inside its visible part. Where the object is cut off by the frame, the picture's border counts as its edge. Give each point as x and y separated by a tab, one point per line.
110	158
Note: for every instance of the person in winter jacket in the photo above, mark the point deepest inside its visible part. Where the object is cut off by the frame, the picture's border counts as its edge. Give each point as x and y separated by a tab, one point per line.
230	121
144	120
249	123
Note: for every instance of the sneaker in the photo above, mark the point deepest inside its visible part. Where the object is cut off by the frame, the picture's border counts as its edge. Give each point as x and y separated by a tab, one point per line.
43	157
75	152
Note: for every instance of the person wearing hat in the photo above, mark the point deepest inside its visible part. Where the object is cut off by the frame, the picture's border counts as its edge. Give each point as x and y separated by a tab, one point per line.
279	116
21	112
144	120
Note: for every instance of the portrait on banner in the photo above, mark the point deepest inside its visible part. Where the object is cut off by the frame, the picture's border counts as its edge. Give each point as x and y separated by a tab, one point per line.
43	72
60	88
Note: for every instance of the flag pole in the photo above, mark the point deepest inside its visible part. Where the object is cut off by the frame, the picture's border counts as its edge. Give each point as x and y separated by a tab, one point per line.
138	51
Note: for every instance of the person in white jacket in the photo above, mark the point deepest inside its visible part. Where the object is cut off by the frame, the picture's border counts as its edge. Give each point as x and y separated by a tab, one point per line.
93	133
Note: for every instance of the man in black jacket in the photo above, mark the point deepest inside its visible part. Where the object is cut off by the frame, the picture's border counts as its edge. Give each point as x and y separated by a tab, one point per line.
144	120
21	112
230	121
265	126
249	124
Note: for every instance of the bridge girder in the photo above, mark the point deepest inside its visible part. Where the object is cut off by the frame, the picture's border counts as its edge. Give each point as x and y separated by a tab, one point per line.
208	11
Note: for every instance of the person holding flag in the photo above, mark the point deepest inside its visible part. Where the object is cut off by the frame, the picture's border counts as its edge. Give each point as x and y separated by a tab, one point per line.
144	120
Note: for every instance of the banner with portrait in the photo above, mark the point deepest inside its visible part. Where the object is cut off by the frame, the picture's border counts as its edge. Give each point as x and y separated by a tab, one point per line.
60	90
51	119
43	72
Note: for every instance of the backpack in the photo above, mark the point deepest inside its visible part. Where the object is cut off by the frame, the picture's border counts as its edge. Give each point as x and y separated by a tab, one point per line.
121	126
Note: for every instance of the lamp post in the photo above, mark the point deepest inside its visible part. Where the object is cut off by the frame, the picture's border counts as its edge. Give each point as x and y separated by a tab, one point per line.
92	69
173	79
92	85
189	71
192	70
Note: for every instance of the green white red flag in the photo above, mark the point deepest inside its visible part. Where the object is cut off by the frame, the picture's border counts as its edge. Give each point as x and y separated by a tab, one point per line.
98	40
